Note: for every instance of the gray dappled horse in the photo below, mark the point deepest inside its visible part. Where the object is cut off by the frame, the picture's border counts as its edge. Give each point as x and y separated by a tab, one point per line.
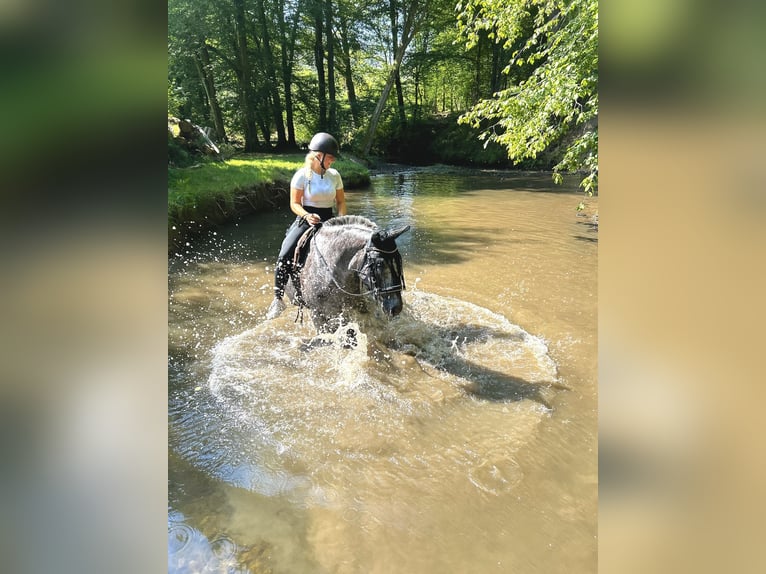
350	264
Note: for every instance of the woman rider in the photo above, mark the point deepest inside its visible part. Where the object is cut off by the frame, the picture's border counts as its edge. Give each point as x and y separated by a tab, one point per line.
314	190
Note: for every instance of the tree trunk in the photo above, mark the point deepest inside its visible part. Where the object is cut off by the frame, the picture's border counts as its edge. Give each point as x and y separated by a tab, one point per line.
271	76
332	120
477	78
319	62
400	99
496	67
393	13
408	32
418	97
202	60
288	57
245	89
347	75
263	117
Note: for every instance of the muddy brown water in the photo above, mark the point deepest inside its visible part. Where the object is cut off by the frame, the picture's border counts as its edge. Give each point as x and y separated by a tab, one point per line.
460	437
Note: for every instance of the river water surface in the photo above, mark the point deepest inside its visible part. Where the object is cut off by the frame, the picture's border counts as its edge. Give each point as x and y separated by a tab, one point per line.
459	437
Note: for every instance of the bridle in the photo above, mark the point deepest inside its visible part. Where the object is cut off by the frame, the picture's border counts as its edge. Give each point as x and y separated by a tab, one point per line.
371	271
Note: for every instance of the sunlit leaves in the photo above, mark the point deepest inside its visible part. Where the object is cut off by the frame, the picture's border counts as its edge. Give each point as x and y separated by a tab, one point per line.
558	102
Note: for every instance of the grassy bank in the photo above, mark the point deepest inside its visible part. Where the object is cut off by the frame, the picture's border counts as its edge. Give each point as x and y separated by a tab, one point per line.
213	193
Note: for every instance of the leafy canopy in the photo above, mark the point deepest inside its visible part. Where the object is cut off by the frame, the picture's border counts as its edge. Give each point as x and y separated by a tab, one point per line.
559	100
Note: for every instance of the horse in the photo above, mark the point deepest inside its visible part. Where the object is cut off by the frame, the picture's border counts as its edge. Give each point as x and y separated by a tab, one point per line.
350	264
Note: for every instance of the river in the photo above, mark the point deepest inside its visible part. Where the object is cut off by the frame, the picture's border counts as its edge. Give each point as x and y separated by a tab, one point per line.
468	443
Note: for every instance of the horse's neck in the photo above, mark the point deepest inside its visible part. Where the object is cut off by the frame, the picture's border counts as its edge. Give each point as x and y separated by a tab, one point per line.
341	247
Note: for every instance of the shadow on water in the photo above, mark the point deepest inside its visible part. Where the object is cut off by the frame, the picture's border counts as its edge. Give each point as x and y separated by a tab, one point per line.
447	245
482	382
450	245
592	228
495	386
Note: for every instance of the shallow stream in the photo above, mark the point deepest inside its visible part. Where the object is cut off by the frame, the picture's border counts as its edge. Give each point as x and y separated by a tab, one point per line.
459	437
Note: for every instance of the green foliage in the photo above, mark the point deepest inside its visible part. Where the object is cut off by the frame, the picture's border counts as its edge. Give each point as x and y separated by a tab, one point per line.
559	100
530	64
177	155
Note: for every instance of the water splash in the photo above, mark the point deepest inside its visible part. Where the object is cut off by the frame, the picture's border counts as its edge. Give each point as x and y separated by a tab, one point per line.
432	391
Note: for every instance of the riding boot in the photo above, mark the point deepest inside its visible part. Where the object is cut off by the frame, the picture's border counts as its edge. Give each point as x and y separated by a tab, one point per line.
281	275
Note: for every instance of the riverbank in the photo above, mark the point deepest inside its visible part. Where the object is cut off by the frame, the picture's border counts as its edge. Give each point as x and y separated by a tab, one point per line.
213	193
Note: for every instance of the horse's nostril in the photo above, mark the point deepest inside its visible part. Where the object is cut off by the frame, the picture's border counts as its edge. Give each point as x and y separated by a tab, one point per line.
392	307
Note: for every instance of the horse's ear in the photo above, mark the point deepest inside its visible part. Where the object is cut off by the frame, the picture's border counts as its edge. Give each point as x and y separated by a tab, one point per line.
397	232
386	234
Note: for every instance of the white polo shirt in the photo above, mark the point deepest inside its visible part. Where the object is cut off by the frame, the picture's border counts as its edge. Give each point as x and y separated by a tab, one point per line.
318	191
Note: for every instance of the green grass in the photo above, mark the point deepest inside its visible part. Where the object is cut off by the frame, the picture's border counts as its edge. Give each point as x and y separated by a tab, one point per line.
230	176
211	191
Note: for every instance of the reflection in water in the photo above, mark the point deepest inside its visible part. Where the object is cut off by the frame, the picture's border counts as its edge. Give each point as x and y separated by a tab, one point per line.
449	439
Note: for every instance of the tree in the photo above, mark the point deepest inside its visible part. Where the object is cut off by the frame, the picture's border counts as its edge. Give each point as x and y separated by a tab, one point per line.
244	73
437	67
332	119
204	67
414	13
346	66
278	70
188	26
318	13
287	57
393	14
558	101
267	60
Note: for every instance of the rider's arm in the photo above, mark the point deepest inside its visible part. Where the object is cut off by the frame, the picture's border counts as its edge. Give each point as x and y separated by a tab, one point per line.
296	202
340	201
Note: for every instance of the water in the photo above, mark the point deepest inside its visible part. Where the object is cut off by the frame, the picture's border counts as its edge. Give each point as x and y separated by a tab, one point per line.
460	437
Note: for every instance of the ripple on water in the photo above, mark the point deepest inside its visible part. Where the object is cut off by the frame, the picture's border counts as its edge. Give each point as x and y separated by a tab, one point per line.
190	552
224	549
494	477
180	535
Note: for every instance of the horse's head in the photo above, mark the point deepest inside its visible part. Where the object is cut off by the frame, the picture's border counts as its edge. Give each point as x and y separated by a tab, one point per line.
381	270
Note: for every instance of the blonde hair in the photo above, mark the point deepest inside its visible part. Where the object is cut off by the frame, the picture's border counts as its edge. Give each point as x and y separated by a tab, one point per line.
310	158
307	164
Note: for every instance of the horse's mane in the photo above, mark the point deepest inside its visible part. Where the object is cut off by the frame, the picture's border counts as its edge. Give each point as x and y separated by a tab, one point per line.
351	220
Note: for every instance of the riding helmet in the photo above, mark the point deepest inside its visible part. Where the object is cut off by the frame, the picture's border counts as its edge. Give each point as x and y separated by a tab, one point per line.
325	143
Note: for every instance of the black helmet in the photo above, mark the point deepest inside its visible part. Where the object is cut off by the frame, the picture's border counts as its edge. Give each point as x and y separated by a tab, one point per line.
325	143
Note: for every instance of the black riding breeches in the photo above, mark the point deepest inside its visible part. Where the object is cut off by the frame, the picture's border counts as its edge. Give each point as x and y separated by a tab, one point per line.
298	228
284	266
